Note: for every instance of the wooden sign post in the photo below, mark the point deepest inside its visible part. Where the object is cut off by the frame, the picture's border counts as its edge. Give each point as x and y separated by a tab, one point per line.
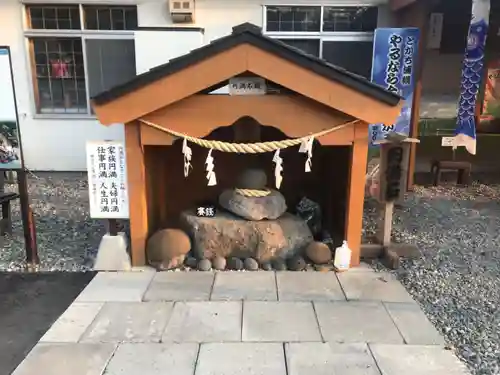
393	174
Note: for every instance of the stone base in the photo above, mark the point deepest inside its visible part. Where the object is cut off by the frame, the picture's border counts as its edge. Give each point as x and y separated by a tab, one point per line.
227	235
112	254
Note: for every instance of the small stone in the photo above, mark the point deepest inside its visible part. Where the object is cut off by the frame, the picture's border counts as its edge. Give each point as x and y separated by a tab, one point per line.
219	263
252	179
296	263
251	264
279	264
319	253
234	264
191	262
266	266
204	265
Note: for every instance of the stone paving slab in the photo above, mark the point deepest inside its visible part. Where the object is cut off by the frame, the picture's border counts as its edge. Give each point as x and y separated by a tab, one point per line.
204	322
66	358
309	286
363	267
325	336
116	287
413	325
241	359
317	358
416	360
180	286
73	322
129	322
153	359
249	286
354	322
279	322
373	286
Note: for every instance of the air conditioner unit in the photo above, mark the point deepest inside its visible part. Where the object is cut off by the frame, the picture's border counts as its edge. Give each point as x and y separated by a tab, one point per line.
181	11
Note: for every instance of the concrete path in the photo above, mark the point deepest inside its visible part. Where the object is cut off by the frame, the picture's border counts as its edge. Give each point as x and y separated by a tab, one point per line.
360	322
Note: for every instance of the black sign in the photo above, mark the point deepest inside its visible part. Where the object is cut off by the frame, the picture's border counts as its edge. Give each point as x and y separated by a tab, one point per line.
394	173
205	211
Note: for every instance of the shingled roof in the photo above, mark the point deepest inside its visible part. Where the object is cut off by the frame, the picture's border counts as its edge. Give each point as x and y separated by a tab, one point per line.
252	34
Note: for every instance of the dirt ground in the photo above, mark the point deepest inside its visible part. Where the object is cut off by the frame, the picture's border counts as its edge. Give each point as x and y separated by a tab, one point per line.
29	305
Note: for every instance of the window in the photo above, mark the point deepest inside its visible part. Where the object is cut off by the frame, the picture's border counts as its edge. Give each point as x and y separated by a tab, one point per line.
293	19
342	36
110	18
71	63
350	19
65	17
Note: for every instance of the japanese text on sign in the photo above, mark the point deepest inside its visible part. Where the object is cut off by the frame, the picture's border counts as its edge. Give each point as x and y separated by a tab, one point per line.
393	63
408	60
205	211
108	195
247	86
394	56
393	173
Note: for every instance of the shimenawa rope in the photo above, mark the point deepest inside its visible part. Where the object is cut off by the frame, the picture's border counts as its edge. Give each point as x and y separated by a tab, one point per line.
247	148
253	193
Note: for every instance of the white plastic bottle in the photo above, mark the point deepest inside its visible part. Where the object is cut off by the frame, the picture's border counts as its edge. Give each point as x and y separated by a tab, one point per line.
342	257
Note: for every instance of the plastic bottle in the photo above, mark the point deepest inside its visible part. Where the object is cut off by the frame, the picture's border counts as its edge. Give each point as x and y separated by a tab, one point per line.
342	257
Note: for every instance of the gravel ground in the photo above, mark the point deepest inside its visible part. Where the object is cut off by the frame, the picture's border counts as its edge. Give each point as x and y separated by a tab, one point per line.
67	238
456	281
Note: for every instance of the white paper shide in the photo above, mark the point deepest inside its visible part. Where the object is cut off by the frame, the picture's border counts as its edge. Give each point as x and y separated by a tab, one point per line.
107	174
306	147
278	169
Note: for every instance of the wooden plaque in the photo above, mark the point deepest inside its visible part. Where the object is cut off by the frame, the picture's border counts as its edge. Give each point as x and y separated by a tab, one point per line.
394	158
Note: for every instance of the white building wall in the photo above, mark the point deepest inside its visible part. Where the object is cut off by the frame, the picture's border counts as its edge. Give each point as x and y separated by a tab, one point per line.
59	144
156	47
48	144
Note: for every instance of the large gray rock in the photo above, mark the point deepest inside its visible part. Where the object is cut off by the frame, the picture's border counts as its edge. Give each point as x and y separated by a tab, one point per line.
228	235
253	208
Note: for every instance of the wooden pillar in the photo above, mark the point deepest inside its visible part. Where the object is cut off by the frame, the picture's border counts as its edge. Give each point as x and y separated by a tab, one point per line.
136	174
416	15
356	191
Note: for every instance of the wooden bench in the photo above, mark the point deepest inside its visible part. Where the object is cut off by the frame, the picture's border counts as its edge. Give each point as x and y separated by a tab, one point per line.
463	169
6	220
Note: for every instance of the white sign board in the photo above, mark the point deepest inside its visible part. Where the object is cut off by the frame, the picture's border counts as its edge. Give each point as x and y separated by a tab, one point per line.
107	174
435	30
247	86
447	141
10	148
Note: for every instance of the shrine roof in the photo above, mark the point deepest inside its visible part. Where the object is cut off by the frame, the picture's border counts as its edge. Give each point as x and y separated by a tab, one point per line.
248	33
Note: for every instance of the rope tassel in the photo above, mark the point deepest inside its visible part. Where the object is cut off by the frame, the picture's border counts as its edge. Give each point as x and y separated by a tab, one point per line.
212	180
186	151
306	148
278	168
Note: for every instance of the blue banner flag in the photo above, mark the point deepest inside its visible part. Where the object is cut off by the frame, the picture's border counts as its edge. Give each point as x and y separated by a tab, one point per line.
394	62
472	75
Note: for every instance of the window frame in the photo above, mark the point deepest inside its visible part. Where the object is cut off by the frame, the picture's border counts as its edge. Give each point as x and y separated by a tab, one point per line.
84	34
322	36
